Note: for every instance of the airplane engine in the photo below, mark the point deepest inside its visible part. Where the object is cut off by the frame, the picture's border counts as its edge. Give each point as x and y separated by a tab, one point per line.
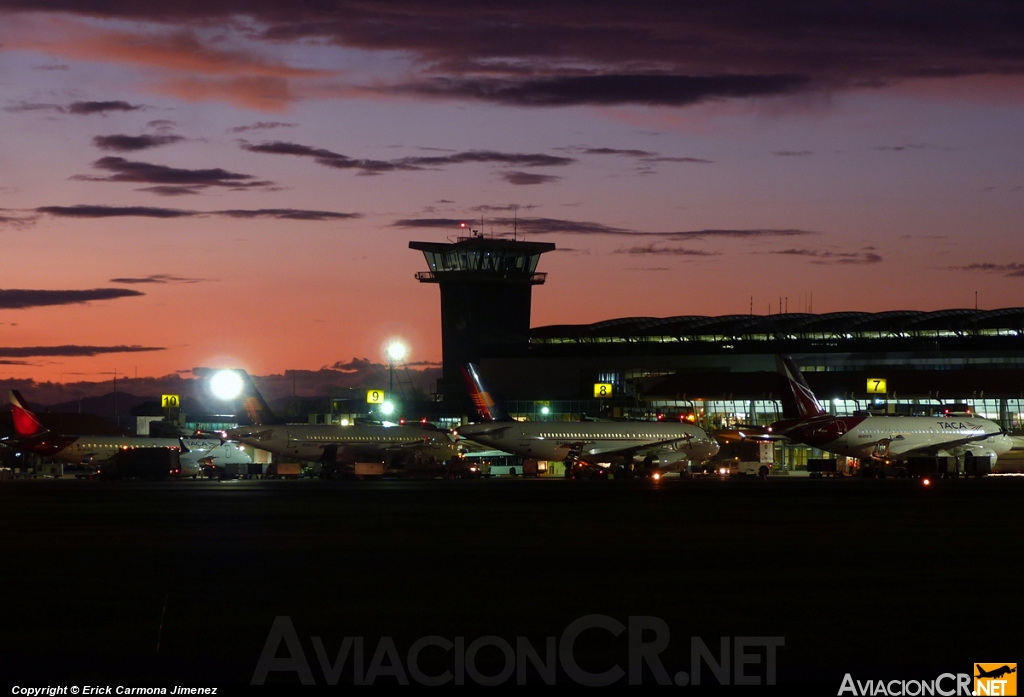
979	460
983	452
668	460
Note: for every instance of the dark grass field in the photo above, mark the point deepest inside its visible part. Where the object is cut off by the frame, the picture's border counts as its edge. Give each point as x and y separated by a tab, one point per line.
876	578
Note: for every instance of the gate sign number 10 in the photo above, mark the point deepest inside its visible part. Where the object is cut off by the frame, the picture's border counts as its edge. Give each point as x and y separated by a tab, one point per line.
170	401
602	390
375	396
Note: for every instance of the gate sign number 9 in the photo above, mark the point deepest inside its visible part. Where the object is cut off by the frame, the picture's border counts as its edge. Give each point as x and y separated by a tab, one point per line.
375	396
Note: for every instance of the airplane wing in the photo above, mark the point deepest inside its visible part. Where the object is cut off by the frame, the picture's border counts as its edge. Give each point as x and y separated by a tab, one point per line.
424	442
752	433
252	432
897	446
491	427
630	450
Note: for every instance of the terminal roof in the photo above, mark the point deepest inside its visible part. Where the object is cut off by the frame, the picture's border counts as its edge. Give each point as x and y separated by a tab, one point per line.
895	323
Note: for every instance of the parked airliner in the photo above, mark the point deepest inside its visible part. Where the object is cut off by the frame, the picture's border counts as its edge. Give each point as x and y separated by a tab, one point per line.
90	450
329	443
886	438
664	447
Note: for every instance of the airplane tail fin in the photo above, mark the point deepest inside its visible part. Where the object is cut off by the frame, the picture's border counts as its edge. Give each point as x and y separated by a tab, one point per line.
482	399
25	422
255	406
807	404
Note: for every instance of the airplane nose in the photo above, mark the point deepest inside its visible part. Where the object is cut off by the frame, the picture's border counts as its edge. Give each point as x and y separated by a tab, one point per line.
715	447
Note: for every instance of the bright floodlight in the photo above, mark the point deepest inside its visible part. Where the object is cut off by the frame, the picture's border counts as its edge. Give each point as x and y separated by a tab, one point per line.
387	408
226	384
396	351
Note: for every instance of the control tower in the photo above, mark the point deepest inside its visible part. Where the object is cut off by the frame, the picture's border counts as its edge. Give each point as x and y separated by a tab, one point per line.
486	291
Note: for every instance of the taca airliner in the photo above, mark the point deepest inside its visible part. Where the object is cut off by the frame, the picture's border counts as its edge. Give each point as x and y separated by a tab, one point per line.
661	447
331	443
886	438
92	450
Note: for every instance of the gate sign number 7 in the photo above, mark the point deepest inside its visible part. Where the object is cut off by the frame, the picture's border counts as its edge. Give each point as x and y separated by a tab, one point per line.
876	386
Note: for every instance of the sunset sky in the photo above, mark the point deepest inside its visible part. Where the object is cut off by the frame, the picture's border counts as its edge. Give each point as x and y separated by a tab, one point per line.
235	183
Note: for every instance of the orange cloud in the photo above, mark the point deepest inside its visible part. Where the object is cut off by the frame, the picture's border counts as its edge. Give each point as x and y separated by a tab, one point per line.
176	50
256	92
196	70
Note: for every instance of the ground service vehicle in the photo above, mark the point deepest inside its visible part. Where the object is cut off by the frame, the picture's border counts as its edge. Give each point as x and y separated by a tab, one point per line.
822	467
233	470
283	470
745	457
142	463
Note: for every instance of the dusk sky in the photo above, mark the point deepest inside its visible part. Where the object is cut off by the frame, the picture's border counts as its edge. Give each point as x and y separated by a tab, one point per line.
236	183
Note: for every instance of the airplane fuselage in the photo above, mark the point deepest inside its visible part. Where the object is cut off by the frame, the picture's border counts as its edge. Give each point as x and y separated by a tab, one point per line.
96	449
897	437
352	443
596	441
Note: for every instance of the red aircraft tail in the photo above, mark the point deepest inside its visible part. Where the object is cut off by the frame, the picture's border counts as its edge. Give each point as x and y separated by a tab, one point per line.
482	399
25	422
807	404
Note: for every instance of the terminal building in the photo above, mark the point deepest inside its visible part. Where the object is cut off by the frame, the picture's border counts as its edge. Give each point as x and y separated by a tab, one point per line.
719	370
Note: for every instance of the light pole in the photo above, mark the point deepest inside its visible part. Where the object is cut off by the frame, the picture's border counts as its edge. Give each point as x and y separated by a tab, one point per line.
396	352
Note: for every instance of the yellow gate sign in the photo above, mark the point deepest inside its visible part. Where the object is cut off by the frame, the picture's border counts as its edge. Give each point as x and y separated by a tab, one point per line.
375	396
602	390
876	386
170	401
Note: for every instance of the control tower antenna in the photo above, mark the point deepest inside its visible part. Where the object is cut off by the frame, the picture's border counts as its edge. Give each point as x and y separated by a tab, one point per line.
515	238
